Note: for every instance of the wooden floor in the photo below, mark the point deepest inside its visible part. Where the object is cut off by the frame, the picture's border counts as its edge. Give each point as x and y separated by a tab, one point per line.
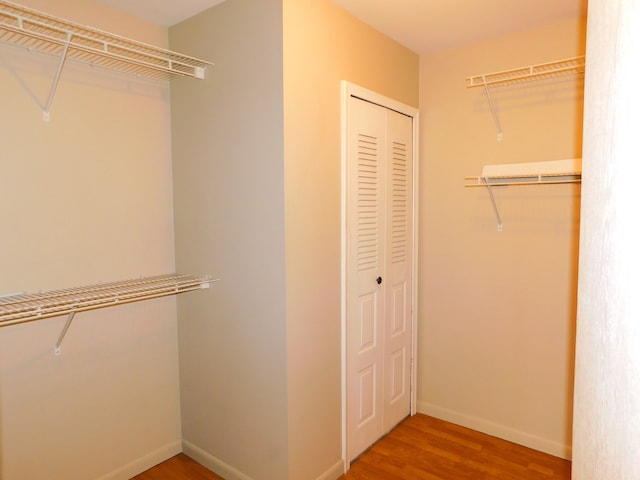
420	448
424	448
179	467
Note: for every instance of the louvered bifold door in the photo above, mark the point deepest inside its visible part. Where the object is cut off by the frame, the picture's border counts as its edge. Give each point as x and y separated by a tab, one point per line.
379	259
365	264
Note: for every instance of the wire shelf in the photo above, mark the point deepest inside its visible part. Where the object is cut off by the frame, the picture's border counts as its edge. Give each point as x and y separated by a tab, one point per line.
569	66
534	179
27	307
531	173
44	33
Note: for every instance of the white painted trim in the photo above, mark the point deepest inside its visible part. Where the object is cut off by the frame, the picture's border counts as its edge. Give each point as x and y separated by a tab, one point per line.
334	472
414	267
214	464
344	101
497	430
145	462
348	90
354	90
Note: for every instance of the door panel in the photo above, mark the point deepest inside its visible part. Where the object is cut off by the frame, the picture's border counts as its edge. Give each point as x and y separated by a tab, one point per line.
367	388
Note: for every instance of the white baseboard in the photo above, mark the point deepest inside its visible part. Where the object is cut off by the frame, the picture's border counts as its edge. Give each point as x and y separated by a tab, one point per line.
214	464
141	464
334	472
226	471
497	430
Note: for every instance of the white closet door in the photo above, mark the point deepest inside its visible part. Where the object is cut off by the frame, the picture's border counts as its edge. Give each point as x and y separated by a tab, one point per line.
378	272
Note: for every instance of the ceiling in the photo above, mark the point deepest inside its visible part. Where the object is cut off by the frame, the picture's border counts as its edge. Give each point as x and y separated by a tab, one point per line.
161	12
421	25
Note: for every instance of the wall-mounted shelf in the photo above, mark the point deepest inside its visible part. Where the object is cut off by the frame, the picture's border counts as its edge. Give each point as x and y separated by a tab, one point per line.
23	307
44	33
530	173
569	66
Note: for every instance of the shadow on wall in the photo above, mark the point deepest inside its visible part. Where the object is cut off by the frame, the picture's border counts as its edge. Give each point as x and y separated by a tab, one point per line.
542	93
573	296
24	69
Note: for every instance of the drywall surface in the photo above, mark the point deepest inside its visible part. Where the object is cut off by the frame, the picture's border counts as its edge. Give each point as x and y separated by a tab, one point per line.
497	309
607	392
323	45
227	134
257	175
86	198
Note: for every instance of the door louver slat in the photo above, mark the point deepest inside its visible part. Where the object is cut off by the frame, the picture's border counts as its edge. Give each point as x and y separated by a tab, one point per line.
368	207
400	188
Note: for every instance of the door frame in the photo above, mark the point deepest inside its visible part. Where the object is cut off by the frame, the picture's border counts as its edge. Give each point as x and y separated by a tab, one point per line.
349	90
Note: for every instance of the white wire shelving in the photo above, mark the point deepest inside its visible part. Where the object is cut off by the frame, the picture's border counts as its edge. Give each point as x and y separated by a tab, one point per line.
531	173
38	31
28	307
558	68
569	66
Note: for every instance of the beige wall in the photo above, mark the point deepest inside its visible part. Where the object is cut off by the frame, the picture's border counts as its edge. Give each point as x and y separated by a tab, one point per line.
497	309
86	198
323	45
256	150
261	385
607	400
229	186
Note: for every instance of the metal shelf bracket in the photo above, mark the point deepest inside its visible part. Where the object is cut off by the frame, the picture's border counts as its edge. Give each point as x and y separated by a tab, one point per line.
493	202
67	324
63	56
494	112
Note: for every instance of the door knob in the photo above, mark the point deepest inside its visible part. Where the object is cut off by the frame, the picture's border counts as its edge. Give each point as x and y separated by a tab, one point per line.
379	280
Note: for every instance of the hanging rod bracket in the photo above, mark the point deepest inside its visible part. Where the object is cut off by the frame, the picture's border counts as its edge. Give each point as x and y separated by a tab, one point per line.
67	324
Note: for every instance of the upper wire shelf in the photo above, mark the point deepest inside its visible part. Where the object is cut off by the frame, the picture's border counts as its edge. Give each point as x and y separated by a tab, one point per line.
44	33
38	31
569	66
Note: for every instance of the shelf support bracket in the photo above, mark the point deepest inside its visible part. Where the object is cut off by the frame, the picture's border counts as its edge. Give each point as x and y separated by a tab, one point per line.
492	106
57	350
493	202
54	85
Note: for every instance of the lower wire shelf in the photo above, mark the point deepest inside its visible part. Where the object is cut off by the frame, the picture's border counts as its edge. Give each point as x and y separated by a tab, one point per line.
28	307
529	173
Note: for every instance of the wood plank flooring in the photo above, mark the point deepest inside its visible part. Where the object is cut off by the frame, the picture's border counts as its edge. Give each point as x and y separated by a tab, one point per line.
425	448
179	467
420	448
